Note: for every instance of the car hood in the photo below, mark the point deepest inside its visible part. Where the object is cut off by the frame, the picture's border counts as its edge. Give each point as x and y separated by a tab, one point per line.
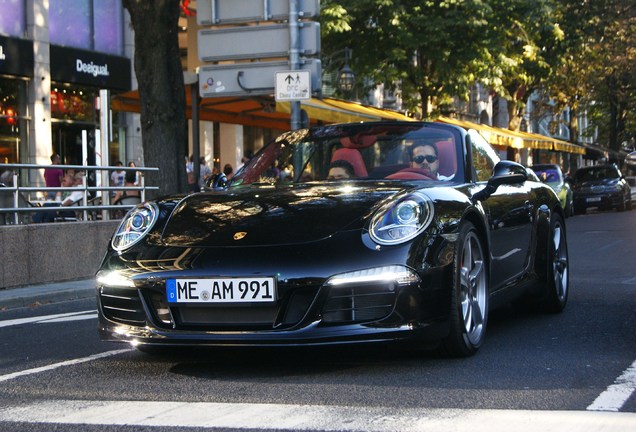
600	182
269	215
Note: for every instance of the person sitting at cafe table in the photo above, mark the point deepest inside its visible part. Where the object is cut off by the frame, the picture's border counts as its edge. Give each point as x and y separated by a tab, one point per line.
68	198
129	181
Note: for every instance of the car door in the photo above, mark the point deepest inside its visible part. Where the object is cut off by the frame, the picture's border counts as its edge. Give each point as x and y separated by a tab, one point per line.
510	216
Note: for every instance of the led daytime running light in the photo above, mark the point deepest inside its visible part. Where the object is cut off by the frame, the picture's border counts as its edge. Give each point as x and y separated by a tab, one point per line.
400	274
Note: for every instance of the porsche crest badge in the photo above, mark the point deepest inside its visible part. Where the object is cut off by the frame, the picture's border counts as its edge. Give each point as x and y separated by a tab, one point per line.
240	235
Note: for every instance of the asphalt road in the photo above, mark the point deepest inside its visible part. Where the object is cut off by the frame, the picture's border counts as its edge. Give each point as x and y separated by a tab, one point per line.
573	371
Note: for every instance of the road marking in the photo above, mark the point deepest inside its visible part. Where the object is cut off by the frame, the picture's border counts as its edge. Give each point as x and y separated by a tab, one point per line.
50	318
61	364
611	245
617	394
310	417
70	318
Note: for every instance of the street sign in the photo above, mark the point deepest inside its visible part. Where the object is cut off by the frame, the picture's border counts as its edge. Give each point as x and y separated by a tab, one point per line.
256	42
212	12
247	79
293	86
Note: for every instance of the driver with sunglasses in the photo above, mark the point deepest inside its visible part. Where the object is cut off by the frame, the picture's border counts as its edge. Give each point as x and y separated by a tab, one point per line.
425	156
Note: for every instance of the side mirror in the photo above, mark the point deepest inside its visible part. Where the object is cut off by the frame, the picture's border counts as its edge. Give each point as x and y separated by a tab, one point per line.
505	173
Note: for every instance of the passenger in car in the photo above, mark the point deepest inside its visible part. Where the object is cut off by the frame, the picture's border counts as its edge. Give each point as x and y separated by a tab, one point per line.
340	170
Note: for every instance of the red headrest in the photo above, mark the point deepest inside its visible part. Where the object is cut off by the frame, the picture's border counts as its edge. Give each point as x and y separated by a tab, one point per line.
354	157
447	157
358	141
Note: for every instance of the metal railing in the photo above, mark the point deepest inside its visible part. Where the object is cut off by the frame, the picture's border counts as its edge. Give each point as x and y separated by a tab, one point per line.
95	202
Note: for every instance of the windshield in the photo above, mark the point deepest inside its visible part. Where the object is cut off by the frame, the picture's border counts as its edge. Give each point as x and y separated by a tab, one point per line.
597	173
548	174
365	151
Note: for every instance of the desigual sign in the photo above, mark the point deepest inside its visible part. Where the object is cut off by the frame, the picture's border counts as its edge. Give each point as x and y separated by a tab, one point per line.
75	66
16	57
91	68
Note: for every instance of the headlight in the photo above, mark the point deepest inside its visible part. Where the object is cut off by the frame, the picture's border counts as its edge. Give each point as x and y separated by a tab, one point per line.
400	221
134	226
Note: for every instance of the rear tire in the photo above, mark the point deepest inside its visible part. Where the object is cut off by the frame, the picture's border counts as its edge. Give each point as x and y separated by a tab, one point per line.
557	276
469	297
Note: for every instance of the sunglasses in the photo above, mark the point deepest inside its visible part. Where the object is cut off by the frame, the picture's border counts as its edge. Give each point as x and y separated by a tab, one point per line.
428	158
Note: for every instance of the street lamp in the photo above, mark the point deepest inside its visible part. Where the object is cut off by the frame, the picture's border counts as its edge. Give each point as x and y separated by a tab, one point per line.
345	77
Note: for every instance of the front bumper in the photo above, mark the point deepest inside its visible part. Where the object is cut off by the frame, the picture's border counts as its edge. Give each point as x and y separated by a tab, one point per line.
308	310
141	316
601	200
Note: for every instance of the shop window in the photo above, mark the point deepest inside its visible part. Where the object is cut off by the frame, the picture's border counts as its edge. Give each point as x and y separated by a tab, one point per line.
13	123
13	18
73	103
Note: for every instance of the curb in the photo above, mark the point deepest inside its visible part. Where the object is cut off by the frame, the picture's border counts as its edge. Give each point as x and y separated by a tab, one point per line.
35	295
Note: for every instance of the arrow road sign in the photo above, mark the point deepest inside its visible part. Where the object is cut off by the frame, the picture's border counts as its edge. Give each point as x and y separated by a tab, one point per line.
293	85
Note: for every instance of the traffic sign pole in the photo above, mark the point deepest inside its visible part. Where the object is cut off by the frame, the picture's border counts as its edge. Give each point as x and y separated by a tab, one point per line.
294	59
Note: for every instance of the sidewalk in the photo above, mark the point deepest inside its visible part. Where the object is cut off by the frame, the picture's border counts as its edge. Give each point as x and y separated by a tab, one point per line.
46	293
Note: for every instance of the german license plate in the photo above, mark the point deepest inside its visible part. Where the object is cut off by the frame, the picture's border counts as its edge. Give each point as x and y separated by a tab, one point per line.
593	199
221	290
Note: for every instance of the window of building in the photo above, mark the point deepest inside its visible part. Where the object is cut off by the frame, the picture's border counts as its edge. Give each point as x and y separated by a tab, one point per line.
13	18
74	103
95	25
13	122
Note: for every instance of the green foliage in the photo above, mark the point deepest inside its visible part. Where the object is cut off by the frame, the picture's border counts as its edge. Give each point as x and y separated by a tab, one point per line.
579	54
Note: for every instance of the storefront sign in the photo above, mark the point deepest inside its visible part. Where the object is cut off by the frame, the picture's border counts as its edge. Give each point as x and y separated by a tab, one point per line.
70	65
16	57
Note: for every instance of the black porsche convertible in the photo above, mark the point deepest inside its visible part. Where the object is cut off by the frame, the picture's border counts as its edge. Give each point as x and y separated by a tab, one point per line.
362	232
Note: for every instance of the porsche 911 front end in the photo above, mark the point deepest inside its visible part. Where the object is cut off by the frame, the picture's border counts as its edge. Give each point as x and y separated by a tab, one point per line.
346	233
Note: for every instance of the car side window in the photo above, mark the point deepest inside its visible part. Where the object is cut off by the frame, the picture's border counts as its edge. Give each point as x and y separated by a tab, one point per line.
484	156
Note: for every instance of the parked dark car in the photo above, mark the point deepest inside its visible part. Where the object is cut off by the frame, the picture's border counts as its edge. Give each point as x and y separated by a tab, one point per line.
292	252
630	163
601	186
552	175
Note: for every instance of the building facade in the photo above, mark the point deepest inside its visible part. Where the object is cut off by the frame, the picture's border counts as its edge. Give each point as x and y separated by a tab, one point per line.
55	57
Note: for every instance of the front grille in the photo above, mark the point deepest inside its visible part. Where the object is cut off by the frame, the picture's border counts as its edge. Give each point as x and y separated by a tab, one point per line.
292	306
226	317
122	305
359	303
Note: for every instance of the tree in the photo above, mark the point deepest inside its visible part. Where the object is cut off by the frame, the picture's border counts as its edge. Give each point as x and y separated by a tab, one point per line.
430	50
161	91
522	51
596	67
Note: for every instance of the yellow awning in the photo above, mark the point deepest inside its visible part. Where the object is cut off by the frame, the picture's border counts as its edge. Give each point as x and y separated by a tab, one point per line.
331	110
567	147
516	139
263	111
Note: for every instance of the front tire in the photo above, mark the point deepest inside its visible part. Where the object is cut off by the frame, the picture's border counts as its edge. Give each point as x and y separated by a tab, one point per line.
469	297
